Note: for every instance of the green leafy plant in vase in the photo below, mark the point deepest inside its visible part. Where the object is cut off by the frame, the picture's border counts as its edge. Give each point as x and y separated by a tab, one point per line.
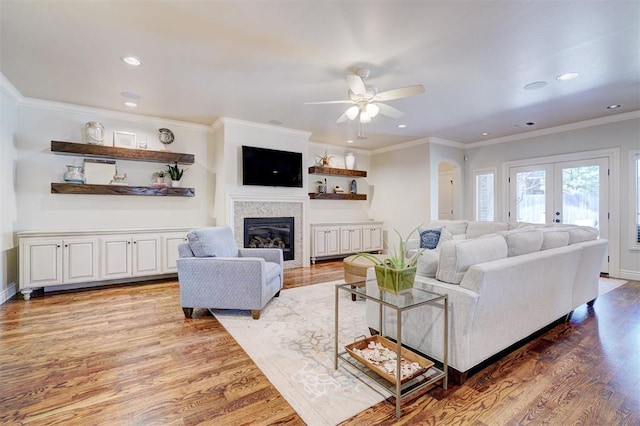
159	177
397	272
175	173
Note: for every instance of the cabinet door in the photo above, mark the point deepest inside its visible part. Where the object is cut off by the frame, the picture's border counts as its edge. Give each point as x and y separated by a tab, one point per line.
146	255
80	260
371	238
41	263
116	257
326	241
350	239
170	243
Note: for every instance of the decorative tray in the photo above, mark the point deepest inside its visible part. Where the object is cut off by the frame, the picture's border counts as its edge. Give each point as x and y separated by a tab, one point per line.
380	355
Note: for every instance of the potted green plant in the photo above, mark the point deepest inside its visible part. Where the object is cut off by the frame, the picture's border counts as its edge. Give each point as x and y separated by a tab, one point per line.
322	186
397	272
159	177
175	173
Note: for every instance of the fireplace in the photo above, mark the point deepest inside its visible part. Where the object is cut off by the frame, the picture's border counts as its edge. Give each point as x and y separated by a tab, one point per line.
270	232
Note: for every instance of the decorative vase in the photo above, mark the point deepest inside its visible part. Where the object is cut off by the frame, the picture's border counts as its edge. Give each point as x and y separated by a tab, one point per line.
350	160
94	133
74	174
354	187
175	184
395	281
322	188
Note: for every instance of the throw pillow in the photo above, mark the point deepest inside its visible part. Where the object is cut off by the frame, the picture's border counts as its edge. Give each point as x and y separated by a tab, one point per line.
429	238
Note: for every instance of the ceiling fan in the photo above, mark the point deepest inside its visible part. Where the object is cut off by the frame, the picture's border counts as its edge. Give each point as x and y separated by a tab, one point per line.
367	102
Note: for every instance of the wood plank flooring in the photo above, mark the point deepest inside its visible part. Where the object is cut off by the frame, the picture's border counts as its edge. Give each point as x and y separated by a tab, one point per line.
126	356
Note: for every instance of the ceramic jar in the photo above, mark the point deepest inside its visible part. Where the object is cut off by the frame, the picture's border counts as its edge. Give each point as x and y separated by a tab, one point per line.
350	160
94	133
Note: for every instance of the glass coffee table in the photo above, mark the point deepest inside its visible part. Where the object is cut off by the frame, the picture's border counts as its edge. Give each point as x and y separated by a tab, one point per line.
393	382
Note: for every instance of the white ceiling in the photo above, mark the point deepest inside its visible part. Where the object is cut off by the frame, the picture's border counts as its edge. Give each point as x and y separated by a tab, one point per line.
262	60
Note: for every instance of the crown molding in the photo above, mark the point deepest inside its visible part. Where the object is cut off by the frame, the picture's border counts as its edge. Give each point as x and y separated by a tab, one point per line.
321	145
10	90
114	115
557	129
446	142
260	126
404	145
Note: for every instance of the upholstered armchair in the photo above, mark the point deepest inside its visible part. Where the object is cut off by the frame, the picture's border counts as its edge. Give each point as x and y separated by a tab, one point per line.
214	273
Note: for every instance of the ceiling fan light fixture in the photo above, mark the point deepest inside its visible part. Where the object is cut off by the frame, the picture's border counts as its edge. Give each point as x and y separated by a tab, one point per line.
365	117
372	110
352	112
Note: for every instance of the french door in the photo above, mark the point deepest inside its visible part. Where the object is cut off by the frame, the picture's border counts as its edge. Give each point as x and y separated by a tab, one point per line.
569	192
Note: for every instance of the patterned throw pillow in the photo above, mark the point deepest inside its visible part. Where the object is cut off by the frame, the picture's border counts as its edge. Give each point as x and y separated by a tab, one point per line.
429	238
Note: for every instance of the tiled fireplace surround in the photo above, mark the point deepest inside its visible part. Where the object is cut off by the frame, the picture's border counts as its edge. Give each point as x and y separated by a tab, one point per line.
244	206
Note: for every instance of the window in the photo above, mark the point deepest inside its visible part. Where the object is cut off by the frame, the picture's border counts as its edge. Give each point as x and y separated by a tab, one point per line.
485	195
635	172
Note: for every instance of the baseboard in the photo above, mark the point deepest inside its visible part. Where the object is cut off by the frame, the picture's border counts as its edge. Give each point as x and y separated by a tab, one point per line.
629	275
8	293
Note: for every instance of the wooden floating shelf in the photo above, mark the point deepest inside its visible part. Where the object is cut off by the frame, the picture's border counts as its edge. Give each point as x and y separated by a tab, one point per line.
318	170
84	188
88	150
334	196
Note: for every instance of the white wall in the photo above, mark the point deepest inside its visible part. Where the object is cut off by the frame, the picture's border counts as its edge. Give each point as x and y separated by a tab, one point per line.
41	122
8	209
624	135
401	187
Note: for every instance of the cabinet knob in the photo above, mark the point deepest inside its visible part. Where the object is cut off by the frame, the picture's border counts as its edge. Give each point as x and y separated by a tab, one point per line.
128	242
66	245
58	245
134	242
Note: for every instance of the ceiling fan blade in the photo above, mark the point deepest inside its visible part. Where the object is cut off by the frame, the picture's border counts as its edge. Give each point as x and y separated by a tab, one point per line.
402	92
389	111
346	101
356	84
342	118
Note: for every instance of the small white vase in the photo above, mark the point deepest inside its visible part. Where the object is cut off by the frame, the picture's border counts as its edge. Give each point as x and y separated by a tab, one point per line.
175	184
350	160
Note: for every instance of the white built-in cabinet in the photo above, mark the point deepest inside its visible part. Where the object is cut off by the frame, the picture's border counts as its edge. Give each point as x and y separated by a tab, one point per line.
53	258
336	239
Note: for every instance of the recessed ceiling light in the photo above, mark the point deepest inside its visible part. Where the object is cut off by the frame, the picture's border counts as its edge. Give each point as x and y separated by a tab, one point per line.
131	60
350	141
535	85
485	133
614	106
401	126
130	95
567	76
131	104
275	122
530	123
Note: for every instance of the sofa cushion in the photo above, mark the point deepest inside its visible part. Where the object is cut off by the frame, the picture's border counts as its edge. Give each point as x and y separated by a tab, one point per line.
522	241
445	236
553	238
582	233
457	256
429	238
478	228
428	263
216	241
456	227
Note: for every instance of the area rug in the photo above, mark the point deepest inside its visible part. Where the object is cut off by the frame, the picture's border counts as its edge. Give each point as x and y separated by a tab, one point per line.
292	343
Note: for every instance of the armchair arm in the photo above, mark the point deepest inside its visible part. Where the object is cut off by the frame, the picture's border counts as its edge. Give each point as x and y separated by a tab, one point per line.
268	254
221	282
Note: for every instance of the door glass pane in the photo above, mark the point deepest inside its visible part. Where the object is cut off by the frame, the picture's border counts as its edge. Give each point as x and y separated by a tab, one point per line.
484	197
581	195
530	196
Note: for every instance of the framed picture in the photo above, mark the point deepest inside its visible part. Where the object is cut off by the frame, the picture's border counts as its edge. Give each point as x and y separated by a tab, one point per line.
124	140
99	172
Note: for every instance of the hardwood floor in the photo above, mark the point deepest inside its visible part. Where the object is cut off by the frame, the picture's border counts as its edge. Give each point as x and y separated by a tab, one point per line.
126	355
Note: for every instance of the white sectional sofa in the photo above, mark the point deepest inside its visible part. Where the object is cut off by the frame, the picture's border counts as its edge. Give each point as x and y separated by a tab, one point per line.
504	283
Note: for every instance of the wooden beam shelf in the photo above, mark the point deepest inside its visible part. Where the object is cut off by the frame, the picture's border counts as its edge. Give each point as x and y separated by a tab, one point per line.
334	196
87	150
319	170
84	188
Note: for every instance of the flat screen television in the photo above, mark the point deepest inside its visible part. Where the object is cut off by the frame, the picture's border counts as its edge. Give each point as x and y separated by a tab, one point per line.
270	167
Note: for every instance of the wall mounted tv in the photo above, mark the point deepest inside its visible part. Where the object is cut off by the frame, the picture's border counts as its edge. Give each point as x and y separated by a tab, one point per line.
270	167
